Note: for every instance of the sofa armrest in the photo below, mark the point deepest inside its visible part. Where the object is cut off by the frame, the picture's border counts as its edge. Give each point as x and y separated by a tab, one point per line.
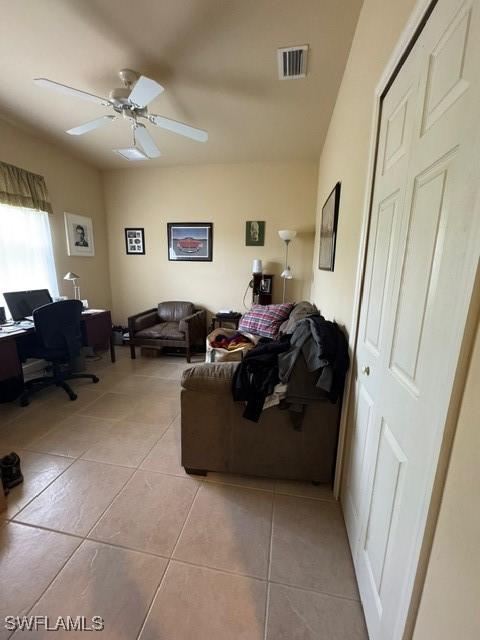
143	320
195	327
213	378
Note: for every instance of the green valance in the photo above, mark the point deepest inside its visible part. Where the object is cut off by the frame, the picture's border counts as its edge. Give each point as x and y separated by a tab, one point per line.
20	188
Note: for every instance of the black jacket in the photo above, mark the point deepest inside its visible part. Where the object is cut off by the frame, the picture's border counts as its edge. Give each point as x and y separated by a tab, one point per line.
256	376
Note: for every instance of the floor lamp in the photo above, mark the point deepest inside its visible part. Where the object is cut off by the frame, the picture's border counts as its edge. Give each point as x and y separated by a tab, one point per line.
287	235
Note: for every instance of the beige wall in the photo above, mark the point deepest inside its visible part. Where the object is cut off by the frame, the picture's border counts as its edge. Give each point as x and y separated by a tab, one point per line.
228	195
74	187
345	153
449	607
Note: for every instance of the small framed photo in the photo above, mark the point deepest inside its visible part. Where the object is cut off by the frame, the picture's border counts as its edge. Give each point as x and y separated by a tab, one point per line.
79	231
255	233
190	241
135	241
328	230
266	284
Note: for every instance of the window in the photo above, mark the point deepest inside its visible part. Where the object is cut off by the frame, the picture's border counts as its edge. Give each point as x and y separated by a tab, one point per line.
26	254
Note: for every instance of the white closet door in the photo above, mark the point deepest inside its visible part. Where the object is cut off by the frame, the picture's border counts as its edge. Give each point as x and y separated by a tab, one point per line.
422	257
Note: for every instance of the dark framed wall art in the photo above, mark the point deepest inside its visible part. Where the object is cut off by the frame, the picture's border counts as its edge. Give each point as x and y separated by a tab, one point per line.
328	230
190	241
134	241
255	233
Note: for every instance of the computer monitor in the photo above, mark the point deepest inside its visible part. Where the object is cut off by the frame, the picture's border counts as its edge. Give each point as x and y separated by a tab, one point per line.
23	303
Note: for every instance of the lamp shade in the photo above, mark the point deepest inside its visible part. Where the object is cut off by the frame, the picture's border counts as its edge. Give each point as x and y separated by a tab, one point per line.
71	276
257	266
287	234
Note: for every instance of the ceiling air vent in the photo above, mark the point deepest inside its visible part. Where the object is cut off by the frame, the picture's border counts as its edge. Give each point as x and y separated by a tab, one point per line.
292	62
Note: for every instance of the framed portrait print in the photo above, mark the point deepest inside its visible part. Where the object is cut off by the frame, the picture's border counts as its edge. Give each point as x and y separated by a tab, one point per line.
255	233
328	230
135	241
190	241
79	231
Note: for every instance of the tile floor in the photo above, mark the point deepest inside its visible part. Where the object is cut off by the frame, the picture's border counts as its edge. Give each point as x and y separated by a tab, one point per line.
108	524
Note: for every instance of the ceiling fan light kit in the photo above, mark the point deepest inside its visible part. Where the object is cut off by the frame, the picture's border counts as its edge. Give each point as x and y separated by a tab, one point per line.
131	101
131	153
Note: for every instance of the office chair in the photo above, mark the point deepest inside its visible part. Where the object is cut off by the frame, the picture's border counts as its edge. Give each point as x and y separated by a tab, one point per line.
58	340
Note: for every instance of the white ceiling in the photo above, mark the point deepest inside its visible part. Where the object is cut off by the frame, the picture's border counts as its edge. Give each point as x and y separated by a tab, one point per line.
215	58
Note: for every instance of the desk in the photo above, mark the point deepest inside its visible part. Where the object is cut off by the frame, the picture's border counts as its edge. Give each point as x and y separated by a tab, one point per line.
96	333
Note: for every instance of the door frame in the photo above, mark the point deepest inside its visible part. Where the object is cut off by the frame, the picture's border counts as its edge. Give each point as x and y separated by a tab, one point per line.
417	20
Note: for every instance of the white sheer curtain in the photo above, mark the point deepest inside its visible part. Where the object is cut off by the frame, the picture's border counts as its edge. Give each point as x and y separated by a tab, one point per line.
26	254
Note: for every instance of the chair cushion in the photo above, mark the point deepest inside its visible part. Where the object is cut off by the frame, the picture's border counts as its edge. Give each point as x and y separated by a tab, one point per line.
51	355
175	311
163	331
265	320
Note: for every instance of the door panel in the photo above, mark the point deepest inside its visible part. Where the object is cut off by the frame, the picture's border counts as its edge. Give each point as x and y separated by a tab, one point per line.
388	468
420	269
381	262
446	81
397	134
421	261
363	424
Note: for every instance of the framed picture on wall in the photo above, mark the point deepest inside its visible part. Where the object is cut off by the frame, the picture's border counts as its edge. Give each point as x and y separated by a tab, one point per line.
135	241
266	284
328	230
255	233
79	231
190	241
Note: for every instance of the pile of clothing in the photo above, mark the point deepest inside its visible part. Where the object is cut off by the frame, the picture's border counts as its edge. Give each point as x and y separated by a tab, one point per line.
256	376
230	343
306	365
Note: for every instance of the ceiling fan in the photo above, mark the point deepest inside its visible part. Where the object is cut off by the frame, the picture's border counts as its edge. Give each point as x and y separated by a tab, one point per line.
130	101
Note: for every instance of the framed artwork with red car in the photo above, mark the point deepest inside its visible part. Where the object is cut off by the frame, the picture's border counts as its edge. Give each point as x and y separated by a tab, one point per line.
190	241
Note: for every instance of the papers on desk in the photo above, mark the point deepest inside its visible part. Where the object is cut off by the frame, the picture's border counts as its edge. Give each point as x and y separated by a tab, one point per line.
88	311
14	328
18	327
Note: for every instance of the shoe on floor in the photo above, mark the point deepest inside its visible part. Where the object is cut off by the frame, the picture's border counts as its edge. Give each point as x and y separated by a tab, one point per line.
10	471
5	490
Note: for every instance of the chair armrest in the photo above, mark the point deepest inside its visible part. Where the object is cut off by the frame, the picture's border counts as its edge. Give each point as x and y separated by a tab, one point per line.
195	327
143	320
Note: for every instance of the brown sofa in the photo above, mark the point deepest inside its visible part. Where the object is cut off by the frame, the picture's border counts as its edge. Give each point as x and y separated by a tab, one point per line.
215	436
170	324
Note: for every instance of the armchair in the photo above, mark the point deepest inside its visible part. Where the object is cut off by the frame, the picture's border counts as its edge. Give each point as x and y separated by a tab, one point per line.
171	324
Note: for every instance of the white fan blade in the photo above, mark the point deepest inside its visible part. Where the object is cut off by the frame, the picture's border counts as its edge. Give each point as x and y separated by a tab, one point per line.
144	91
50	84
178	127
145	140
89	126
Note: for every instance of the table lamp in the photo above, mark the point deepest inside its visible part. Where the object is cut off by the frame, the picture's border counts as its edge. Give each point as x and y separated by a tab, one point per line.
257	266
73	278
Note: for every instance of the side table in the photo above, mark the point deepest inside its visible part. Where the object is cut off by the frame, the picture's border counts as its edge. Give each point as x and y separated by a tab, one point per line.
219	319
